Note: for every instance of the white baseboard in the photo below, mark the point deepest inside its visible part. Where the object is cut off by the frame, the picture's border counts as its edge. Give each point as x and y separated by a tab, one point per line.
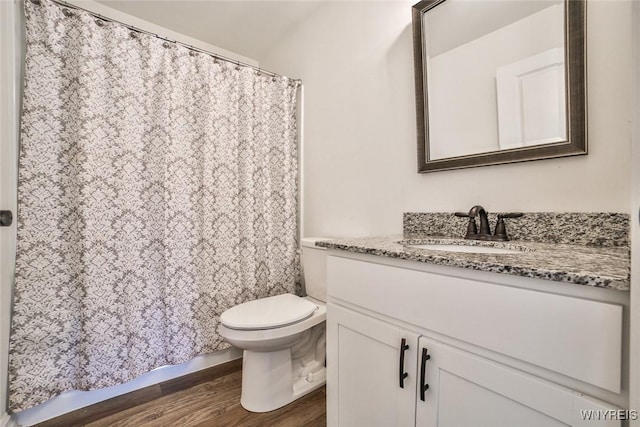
73	400
7	421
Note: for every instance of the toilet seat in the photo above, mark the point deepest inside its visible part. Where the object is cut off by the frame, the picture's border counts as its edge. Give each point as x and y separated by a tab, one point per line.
255	339
268	313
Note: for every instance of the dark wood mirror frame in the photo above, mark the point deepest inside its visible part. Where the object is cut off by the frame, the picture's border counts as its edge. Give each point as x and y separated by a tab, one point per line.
576	105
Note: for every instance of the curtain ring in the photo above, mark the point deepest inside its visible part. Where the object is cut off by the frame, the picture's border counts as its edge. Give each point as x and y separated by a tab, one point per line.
65	12
238	65
100	21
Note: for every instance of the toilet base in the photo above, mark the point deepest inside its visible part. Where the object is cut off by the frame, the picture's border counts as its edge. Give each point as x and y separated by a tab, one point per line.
268	382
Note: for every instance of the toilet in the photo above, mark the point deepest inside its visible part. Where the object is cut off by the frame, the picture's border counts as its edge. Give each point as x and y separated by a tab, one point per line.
283	338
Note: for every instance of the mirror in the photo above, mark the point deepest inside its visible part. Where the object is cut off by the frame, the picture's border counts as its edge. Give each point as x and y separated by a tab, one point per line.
499	81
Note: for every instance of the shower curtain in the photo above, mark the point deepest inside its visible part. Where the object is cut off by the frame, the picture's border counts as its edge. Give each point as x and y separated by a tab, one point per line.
157	188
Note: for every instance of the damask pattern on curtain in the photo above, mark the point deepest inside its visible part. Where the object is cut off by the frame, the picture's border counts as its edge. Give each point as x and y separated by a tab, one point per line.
157	188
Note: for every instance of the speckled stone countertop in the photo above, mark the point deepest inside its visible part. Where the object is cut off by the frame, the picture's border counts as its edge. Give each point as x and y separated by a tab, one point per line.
603	267
599	266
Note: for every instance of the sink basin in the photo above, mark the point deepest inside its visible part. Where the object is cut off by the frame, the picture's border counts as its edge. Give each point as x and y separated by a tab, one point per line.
466	249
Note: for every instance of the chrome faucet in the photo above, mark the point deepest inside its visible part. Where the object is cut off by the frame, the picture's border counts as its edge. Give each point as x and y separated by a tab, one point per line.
500	233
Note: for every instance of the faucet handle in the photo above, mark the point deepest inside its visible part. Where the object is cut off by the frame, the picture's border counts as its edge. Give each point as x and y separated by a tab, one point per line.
510	215
472	228
501	230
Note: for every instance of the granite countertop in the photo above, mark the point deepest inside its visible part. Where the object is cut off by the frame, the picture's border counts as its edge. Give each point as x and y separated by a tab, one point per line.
598	266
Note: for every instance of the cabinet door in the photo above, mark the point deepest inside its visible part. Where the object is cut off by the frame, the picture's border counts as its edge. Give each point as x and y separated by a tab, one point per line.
364	370
468	390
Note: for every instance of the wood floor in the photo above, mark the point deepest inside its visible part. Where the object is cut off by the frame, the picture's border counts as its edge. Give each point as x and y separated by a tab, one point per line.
209	402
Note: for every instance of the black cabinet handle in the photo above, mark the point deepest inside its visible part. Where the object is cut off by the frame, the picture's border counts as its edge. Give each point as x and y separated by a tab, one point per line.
403	347
423	373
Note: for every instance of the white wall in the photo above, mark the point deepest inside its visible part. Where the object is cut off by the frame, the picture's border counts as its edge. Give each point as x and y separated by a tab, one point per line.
143	24
356	62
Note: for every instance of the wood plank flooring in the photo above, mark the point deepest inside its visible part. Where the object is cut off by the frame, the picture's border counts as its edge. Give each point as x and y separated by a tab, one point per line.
211	400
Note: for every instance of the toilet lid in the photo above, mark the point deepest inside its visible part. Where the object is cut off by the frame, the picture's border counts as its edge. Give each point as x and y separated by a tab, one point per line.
268	313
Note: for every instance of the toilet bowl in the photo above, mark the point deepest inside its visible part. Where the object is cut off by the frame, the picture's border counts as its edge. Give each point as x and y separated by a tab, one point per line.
282	338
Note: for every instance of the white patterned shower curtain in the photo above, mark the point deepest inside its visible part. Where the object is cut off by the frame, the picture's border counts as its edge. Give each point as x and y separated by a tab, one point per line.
157	188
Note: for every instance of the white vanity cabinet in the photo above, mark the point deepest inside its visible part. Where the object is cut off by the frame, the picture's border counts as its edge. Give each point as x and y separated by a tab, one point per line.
469	390
370	391
492	355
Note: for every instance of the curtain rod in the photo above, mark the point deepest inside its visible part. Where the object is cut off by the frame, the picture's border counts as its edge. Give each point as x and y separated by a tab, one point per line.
193	48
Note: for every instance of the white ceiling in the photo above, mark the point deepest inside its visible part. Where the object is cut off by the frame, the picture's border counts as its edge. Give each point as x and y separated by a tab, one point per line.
248	28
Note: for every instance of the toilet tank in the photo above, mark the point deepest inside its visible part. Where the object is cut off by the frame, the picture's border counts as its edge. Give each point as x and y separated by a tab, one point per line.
314	266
